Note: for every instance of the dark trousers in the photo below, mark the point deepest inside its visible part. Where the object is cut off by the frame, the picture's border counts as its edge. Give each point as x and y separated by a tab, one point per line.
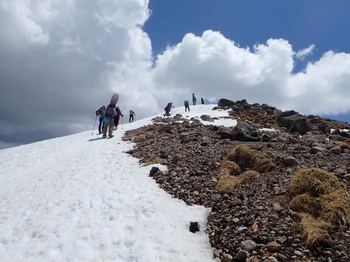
167	113
100	125
116	121
131	118
187	108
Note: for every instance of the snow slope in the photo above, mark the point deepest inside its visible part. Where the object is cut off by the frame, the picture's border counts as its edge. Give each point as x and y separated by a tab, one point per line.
198	110
81	198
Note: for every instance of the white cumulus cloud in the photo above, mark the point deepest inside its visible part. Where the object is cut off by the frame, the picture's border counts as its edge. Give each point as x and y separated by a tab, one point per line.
61	59
301	54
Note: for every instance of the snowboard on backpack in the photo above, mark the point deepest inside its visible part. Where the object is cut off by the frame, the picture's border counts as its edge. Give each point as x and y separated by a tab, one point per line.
114	99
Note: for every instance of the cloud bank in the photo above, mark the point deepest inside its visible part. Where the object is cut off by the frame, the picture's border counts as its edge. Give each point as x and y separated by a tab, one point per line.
61	59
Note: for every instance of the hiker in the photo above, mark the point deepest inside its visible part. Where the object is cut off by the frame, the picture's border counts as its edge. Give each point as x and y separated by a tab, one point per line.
131	116
167	109
100	113
108	121
202	100
117	116
194	99
187	106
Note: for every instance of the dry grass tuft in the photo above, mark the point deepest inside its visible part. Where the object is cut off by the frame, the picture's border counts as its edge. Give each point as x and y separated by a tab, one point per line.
232	167
140	138
315	182
306	204
323	201
228	184
249	158
315	230
336	207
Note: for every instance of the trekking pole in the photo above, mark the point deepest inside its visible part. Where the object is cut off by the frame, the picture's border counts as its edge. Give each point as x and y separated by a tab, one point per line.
93	127
122	121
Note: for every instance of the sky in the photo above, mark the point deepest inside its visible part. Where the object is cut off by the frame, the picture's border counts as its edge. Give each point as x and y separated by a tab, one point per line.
62	59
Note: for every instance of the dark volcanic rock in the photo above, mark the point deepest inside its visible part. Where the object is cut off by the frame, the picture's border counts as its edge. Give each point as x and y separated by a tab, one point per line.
259	209
245	132
194	227
225	103
294	122
154	170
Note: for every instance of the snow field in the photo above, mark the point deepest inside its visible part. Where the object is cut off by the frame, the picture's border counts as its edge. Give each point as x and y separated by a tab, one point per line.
81	198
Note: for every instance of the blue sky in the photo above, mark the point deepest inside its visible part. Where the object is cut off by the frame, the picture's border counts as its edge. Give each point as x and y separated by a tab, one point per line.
301	22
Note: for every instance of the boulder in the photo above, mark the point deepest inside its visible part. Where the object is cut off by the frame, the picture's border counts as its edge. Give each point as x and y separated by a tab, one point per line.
207	118
225	103
290	161
294	122
336	150
245	132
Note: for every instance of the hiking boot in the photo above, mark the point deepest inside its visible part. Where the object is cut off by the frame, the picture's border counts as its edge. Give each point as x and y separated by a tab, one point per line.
111	136
104	136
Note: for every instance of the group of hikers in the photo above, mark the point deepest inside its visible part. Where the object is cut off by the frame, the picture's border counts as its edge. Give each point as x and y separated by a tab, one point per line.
186	104
109	118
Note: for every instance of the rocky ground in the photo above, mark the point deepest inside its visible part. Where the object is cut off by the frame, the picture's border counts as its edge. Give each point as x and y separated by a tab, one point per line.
254	221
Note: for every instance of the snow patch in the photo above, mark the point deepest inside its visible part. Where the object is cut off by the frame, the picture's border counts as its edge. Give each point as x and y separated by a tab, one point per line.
81	198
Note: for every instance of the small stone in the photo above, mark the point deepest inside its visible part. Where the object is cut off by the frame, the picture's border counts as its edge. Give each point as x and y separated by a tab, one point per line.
273	247
216	197
248	245
273	259
226	258
298	253
241	229
277	207
153	171
241	256
255	227
176	158
194	227
236	202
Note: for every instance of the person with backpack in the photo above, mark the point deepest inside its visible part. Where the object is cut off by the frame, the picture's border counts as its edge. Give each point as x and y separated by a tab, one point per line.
131	116
167	109
100	113
194	99
187	106
117	116
108	121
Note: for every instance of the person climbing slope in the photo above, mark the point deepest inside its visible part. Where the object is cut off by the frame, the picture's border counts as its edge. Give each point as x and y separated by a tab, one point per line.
187	106
100	113
131	116
108	121
194	99
117	116
167	109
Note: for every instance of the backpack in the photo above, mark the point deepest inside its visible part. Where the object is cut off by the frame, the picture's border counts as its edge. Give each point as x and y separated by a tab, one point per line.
110	111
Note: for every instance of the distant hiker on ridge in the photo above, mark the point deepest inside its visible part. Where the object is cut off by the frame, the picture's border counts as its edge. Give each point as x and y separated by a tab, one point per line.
167	109
108	121
131	116
100	113
117	116
194	99
202	100
187	105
